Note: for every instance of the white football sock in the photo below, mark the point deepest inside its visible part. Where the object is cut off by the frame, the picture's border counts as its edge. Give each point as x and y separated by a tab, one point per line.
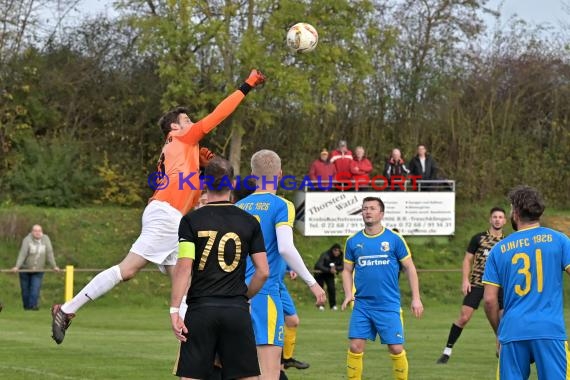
447	351
100	285
183	308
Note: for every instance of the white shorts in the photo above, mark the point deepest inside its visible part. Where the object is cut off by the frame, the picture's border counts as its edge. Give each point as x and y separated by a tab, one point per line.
158	241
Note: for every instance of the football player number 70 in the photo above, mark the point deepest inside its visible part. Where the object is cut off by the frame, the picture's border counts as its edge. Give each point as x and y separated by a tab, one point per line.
211	235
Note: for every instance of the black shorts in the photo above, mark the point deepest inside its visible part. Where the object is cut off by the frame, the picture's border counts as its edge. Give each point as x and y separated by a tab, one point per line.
473	299
225	330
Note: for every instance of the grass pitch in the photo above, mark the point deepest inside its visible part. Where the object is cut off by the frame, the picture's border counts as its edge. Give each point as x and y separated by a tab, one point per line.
133	342
126	334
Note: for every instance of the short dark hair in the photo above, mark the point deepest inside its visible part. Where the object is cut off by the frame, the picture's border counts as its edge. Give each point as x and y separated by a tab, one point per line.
169	118
499	209
527	203
374	199
218	175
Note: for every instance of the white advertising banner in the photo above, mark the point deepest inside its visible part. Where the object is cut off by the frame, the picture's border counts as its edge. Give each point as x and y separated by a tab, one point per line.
339	213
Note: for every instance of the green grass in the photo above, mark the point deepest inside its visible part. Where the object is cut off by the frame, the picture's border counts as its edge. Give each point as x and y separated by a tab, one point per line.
126	333
126	341
99	237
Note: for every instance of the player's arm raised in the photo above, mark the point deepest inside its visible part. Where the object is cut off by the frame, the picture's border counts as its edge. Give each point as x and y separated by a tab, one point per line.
347	284
261	274
181	276
223	110
410	270
292	257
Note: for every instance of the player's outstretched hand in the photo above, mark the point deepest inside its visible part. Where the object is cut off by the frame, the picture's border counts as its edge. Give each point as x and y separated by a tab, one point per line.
255	78
178	327
466	287
346	302
417	308
319	294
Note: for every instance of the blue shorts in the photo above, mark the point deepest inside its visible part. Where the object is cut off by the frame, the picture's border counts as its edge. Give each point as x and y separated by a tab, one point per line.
367	323
550	356
288	304
267	319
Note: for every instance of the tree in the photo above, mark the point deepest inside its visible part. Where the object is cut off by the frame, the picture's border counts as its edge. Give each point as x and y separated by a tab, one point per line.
205	48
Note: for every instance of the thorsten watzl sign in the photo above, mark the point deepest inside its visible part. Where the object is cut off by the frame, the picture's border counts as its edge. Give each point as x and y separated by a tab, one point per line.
339	213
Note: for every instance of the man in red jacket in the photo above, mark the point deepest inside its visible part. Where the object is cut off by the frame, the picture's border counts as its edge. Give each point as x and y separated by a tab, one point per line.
360	165
342	158
322	171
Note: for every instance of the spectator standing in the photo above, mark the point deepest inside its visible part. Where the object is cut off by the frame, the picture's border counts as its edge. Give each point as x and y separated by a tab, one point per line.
395	165
423	164
342	158
322	171
329	264
360	165
36	248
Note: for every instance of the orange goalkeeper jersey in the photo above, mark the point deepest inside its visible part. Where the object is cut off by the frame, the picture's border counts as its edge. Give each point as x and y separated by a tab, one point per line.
179	159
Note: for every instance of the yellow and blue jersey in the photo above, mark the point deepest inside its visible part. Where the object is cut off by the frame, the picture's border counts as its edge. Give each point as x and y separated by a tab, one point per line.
376	261
529	266
271	211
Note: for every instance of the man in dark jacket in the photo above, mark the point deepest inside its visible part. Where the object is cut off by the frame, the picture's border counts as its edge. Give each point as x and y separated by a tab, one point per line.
395	170
423	164
329	264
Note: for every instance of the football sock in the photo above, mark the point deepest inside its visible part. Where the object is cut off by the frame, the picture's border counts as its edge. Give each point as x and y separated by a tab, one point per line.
354	365
498	373
454	334
400	365
100	285
289	343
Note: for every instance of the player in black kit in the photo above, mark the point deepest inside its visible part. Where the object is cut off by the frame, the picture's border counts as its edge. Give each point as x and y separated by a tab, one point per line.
214	242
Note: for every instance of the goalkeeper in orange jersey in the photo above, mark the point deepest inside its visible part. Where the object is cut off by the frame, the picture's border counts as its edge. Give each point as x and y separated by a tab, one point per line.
177	187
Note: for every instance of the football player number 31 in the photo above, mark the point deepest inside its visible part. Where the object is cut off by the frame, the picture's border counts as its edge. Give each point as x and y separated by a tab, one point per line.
211	235
525	271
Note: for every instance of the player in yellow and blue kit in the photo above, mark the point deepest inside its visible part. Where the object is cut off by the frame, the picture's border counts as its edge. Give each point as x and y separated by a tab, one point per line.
276	216
271	211
291	324
374	256
528	266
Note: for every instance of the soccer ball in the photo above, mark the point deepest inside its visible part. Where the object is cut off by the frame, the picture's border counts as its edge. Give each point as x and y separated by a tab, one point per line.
302	38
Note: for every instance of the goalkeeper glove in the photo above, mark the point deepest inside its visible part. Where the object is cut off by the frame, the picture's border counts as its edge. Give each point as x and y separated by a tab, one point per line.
255	78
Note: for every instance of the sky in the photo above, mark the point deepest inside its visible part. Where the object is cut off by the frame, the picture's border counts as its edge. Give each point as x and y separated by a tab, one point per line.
532	11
